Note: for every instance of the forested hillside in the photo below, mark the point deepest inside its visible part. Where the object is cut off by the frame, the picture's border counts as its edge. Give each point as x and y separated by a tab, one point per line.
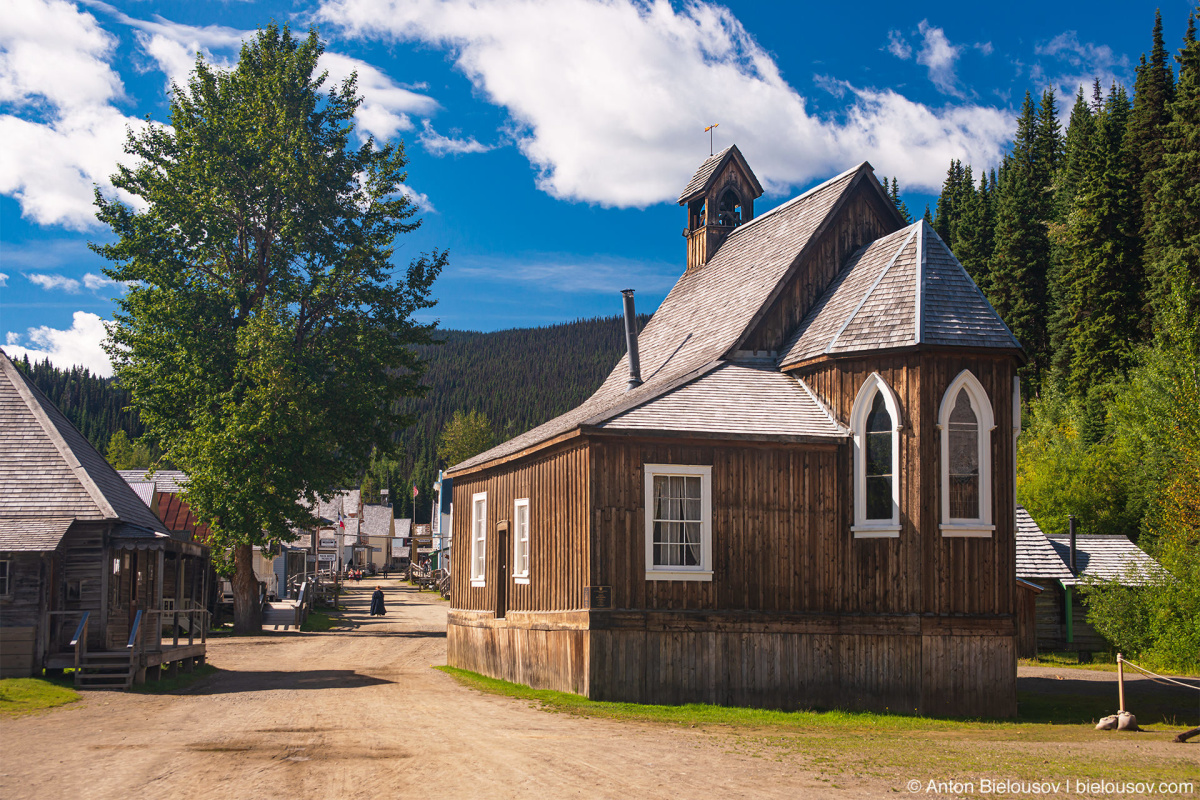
94	405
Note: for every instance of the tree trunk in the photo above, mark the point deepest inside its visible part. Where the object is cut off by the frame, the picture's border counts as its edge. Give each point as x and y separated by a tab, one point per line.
1183	737
246	617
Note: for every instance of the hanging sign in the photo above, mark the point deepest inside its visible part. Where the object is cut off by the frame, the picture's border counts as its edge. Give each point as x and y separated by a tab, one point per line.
328	543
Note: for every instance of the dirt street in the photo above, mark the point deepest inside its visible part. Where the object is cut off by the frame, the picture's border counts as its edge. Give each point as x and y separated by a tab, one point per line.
359	713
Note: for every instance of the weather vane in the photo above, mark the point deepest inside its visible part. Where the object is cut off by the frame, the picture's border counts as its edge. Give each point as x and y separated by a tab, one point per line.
709	131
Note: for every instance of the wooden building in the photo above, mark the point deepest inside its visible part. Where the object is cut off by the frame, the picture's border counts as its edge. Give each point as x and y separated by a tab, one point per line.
1059	621
89	576
795	490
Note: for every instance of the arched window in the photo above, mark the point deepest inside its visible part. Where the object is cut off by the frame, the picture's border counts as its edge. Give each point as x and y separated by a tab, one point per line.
729	209
875	423
966	422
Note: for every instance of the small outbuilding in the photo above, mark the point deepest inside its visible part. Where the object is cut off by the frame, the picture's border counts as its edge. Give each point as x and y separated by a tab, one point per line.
89	577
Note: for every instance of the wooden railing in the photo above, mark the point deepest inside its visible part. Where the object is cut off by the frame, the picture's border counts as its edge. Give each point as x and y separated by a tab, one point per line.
79	641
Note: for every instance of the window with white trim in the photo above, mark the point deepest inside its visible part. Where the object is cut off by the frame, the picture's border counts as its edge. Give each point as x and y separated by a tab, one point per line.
478	539
678	522
875	423
965	420
5	578
520	535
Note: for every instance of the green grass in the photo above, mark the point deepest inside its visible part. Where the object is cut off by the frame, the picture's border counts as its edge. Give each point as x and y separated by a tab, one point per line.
166	685
320	622
20	696
895	745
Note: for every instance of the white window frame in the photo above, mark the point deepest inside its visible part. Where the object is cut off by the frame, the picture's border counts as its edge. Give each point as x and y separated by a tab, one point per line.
981	526
875	528
703	571
520	575
7	589
479	521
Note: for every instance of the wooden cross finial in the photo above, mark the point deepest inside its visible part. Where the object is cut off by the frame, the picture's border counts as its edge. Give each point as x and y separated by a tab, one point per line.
709	131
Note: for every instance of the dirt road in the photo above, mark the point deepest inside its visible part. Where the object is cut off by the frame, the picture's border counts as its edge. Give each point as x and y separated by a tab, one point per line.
359	713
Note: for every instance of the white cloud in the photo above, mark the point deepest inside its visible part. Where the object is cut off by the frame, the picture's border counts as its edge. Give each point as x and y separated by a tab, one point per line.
420	199
78	345
897	46
939	56
96	282
1078	64
440	145
3	279
53	58
54	282
386	105
608	98
984	47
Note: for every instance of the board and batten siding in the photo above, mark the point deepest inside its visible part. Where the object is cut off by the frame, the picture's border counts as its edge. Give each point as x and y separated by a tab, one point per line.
542	640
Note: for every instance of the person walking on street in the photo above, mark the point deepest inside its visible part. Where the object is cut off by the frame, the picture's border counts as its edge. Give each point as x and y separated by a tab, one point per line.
377	609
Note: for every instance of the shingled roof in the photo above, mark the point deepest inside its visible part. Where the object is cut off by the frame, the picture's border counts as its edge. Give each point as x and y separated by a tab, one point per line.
50	471
739	399
1109	557
901	290
1037	559
704	315
706	174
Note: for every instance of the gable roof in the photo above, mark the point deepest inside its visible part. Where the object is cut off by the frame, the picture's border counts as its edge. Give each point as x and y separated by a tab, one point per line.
48	468
377	520
901	290
170	481
739	399
1108	557
708	171
1036	557
705	314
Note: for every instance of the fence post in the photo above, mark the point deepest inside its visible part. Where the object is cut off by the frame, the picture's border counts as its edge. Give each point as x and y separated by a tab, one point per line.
1120	683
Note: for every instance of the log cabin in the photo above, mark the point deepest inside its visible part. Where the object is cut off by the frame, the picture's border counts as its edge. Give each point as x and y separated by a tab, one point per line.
795	490
90	578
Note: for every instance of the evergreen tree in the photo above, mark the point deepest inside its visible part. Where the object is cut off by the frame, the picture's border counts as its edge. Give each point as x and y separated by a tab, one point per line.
897	202
1173	217
948	201
1018	275
974	233
1153	93
1102	292
927	216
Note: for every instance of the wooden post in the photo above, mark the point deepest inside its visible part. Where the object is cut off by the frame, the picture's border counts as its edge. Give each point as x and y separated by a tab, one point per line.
178	599
1121	683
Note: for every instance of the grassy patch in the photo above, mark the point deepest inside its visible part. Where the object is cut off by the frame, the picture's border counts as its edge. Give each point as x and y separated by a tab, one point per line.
893	746
26	695
166	685
319	622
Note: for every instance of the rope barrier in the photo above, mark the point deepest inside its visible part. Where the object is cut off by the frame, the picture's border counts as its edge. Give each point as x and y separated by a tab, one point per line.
1161	678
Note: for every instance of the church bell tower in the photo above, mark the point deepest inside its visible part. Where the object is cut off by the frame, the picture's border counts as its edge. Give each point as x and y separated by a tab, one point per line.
719	197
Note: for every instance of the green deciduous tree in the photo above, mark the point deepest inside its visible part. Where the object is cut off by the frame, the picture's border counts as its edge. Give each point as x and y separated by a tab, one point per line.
265	339
466	434
124	454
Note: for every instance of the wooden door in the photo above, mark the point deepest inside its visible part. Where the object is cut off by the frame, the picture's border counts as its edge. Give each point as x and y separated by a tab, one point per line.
501	568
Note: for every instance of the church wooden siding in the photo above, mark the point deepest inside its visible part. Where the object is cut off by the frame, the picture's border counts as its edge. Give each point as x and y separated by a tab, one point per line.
863	220
542	639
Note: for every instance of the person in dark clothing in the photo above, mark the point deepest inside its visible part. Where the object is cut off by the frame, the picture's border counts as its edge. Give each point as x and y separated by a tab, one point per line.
377	609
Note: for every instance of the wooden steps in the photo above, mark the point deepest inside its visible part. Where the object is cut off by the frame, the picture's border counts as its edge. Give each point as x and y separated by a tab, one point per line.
104	670
280	615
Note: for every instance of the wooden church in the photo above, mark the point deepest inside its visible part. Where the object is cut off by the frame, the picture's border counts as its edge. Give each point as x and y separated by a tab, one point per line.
794	491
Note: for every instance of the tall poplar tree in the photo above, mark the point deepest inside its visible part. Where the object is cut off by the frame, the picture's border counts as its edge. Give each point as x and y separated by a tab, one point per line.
264	338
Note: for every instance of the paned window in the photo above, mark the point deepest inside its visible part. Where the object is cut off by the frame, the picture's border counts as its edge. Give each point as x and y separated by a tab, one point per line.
5	577
678	522
478	538
875	423
965	420
521	540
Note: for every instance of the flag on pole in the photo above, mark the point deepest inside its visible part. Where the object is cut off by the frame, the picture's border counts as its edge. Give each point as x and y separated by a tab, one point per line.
415	492
341	522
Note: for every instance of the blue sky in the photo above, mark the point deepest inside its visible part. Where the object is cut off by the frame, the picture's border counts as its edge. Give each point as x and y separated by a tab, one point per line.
547	138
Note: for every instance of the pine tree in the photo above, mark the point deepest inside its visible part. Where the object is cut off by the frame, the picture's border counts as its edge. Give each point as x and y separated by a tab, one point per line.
897	202
948	201
927	216
1019	271
1103	263
974	233
1153	95
1172	222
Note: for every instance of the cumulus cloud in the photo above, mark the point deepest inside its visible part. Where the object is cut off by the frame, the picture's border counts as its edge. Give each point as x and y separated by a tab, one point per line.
440	145
939	56
79	345
3	279
386	104
608	99
420	199
54	67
